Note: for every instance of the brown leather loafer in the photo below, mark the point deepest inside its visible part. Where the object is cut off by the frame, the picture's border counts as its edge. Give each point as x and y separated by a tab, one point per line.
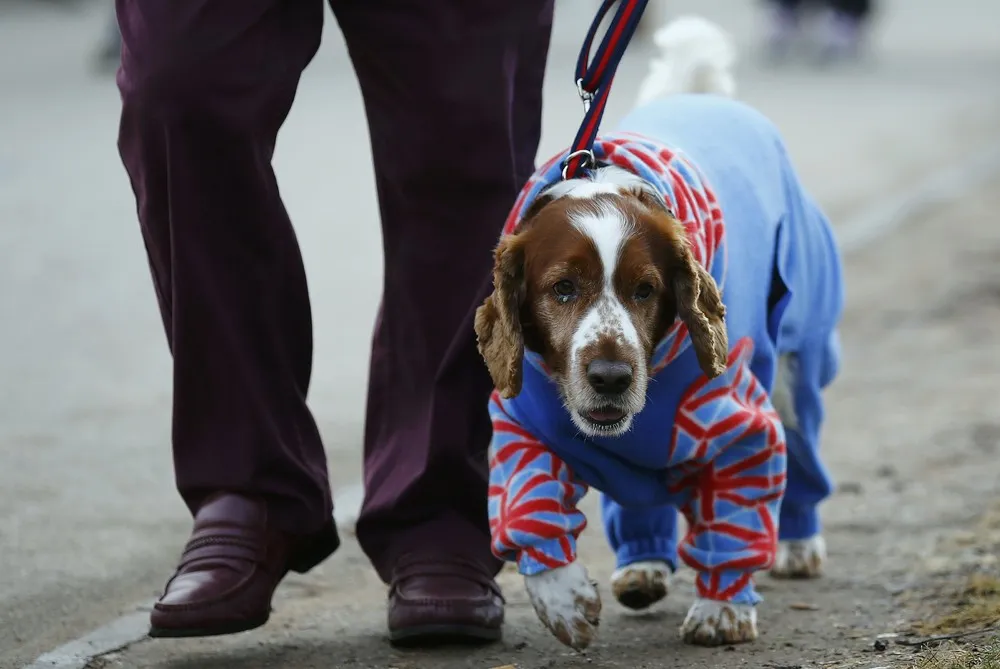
230	569
443	600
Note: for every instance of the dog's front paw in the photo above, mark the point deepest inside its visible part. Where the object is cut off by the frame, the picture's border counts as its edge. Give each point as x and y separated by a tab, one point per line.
800	558
567	602
641	584
712	623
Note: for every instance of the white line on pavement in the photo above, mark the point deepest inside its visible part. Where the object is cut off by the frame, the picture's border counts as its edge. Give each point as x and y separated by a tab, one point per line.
853	235
114	636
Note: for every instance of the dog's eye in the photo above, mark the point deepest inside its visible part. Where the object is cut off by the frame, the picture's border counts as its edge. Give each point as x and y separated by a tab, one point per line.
643	291
565	291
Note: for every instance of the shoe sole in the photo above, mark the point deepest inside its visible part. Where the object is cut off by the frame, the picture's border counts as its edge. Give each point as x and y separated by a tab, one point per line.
438	635
221	630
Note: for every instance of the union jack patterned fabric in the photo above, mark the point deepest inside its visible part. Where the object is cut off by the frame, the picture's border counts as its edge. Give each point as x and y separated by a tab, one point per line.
725	471
715	448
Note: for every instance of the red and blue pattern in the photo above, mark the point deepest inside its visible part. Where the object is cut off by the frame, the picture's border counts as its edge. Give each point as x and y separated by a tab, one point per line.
727	466
724	459
532	499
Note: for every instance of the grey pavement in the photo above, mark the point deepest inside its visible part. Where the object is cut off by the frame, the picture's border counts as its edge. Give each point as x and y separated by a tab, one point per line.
89	520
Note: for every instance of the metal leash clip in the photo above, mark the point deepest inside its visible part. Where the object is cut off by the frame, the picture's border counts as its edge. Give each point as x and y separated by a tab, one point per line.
585	96
589	163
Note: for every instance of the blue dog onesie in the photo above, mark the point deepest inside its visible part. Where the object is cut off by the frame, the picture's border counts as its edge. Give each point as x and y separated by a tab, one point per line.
715	449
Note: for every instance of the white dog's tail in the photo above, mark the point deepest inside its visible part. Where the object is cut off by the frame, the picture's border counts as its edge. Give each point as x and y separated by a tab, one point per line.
347	507
696	56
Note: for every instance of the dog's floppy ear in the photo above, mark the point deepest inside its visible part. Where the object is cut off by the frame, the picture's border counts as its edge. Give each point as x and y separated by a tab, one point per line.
700	306
695	293
498	322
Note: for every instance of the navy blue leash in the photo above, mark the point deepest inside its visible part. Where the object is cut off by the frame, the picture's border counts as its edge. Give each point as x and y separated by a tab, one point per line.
594	78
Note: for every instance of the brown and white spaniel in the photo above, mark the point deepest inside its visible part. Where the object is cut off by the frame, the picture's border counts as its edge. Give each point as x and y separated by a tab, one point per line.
651	334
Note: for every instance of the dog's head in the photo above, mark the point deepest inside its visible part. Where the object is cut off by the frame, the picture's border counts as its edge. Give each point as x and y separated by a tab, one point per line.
596	273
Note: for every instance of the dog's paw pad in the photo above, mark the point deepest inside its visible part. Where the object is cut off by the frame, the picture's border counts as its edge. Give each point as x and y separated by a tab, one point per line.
641	584
567	603
712	623
800	558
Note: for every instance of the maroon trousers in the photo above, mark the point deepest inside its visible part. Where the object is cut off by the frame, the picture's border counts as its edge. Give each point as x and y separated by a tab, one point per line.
452	91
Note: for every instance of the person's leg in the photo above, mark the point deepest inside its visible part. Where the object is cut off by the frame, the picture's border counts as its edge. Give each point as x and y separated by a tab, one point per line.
844	30
859	10
784	24
526	101
644	541
204	91
205	87
453	98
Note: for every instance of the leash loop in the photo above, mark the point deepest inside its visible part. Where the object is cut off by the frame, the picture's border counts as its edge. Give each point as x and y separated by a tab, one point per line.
595	75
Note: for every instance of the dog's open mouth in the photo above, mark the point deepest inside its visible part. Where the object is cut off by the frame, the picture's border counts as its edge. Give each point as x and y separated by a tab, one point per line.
606	418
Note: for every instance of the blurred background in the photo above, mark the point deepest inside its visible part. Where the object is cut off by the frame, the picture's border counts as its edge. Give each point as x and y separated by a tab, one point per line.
89	520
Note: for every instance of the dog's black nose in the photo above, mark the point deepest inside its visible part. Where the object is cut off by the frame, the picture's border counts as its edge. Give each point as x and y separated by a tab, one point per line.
609	378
